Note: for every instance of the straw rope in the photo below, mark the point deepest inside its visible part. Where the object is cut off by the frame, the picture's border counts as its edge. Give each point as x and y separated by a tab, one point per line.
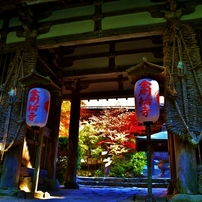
10	110
13	113
183	79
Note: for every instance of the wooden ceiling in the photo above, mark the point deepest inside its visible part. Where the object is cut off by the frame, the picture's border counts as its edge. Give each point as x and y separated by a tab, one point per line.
99	58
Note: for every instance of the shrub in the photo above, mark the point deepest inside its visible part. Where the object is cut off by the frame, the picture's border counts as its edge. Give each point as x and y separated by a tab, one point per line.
62	160
63	143
99	173
129	165
61	168
117	170
137	162
88	139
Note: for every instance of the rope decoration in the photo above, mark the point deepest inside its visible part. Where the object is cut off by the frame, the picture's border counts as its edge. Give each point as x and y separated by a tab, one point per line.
13	96
183	79
12	103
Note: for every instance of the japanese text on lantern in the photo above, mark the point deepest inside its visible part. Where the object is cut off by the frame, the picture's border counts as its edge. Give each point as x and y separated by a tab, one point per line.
33	104
145	97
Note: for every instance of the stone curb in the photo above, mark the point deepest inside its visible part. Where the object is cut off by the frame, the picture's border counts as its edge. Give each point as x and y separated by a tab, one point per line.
124	182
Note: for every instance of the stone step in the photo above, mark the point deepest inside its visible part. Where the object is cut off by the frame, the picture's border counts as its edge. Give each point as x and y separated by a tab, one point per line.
125	182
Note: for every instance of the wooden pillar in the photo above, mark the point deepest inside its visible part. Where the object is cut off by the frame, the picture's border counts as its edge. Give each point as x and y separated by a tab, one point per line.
37	161
186	167
70	181
11	167
55	112
171	155
22	64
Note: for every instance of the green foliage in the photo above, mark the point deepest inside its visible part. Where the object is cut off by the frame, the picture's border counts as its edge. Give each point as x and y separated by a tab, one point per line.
117	169
111	131
61	168
62	160
128	165
63	146
137	161
88	139
99	173
63	143
79	156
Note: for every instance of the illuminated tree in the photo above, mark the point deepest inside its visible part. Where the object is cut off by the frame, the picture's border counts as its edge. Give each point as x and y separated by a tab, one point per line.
114	129
64	119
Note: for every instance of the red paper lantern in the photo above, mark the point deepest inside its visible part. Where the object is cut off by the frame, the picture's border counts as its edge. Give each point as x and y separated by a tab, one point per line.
146	92
38	104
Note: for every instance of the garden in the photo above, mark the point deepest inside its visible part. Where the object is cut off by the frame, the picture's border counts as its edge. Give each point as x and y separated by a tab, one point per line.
107	145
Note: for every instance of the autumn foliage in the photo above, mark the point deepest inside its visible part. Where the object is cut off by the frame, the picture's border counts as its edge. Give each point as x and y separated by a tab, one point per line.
112	130
117	128
64	119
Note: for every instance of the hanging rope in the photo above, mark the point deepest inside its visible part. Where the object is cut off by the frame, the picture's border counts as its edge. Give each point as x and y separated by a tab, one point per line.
12	66
171	86
184	94
16	69
182	73
49	69
192	66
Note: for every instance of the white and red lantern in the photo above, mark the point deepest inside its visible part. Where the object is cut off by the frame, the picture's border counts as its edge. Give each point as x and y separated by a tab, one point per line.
146	92
38	105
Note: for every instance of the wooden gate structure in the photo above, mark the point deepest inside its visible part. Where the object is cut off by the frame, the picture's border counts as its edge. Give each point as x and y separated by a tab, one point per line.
81	49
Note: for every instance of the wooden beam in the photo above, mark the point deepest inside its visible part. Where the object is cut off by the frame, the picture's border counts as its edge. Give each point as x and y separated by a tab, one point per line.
80	72
102	95
68	50
112	53
111	35
107	35
93	37
106	94
118	79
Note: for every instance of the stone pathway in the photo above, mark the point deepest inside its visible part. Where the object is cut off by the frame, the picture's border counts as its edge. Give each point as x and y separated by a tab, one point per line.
95	194
141	182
